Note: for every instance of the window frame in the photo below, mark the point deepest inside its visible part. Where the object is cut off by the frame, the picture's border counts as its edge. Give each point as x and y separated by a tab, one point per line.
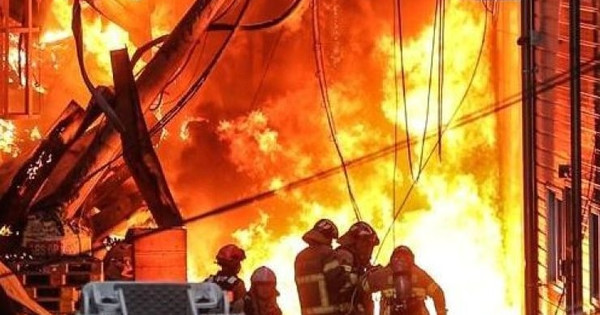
594	254
556	237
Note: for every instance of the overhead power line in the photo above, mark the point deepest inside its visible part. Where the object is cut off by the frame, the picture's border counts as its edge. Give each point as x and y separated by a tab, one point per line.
318	50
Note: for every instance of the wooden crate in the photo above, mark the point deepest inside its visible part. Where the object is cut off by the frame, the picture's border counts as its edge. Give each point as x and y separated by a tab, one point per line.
81	278
58	306
159	256
91	266
37	279
64	293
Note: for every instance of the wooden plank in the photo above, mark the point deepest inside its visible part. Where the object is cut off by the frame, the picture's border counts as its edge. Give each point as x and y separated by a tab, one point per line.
14	289
27	182
125	205
138	151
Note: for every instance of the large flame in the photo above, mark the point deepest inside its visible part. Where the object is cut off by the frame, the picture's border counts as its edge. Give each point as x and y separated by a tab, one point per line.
8	138
452	220
100	36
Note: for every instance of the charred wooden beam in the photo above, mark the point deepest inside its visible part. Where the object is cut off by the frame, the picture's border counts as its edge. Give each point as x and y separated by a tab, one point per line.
121	208
31	176
173	52
72	187
81	179
138	150
85	175
14	289
109	185
64	166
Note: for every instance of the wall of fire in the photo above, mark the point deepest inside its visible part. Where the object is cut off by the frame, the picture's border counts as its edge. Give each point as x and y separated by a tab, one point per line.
505	85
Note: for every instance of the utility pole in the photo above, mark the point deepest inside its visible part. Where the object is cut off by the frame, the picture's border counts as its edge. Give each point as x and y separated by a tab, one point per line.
575	285
530	221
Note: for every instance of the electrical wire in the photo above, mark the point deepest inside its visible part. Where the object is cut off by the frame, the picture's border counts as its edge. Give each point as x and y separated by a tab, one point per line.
224	11
190	93
318	49
259	25
196	70
435	23
396	20
441	66
187	97
76	27
137	55
404	101
465	120
456	110
267	67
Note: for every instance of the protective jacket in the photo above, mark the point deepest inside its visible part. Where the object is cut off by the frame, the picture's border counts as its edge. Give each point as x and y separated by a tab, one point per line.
420	286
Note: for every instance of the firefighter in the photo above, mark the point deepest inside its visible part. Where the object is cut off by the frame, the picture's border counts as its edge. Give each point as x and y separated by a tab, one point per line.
354	254
261	299
318	274
230	259
405	286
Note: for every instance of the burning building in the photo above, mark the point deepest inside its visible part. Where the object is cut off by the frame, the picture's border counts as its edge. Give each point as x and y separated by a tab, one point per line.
267	116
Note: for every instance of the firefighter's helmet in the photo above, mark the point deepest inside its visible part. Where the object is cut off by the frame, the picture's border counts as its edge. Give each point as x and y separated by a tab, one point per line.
324	231
359	231
263	275
264	283
403	252
230	255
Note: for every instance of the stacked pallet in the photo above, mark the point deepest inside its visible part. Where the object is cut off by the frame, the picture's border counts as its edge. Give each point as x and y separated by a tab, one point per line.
57	286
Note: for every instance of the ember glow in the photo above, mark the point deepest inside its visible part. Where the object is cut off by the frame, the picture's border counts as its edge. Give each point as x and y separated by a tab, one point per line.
5	231
100	36
8	138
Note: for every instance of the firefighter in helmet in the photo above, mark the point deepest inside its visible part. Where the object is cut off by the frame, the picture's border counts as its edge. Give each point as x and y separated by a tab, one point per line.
405	286
261	299
319	275
354	254
230	259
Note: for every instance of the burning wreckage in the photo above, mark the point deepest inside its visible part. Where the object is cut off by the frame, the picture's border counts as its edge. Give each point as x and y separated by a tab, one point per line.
50	221
95	171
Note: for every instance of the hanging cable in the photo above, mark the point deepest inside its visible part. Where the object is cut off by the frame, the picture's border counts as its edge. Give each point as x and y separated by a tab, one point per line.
196	70
76	27
433	37
224	11
404	102
396	20
326	103
444	130
441	74
190	93
491	109
267	67
137	55
259	25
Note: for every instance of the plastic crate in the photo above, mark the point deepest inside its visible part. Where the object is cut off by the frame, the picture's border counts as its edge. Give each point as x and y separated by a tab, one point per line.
151	298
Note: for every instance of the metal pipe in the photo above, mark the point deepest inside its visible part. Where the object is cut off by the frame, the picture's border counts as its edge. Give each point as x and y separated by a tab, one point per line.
576	285
529	171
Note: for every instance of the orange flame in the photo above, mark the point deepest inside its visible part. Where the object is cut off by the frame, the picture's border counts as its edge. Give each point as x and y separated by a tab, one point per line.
8	138
452	221
100	36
